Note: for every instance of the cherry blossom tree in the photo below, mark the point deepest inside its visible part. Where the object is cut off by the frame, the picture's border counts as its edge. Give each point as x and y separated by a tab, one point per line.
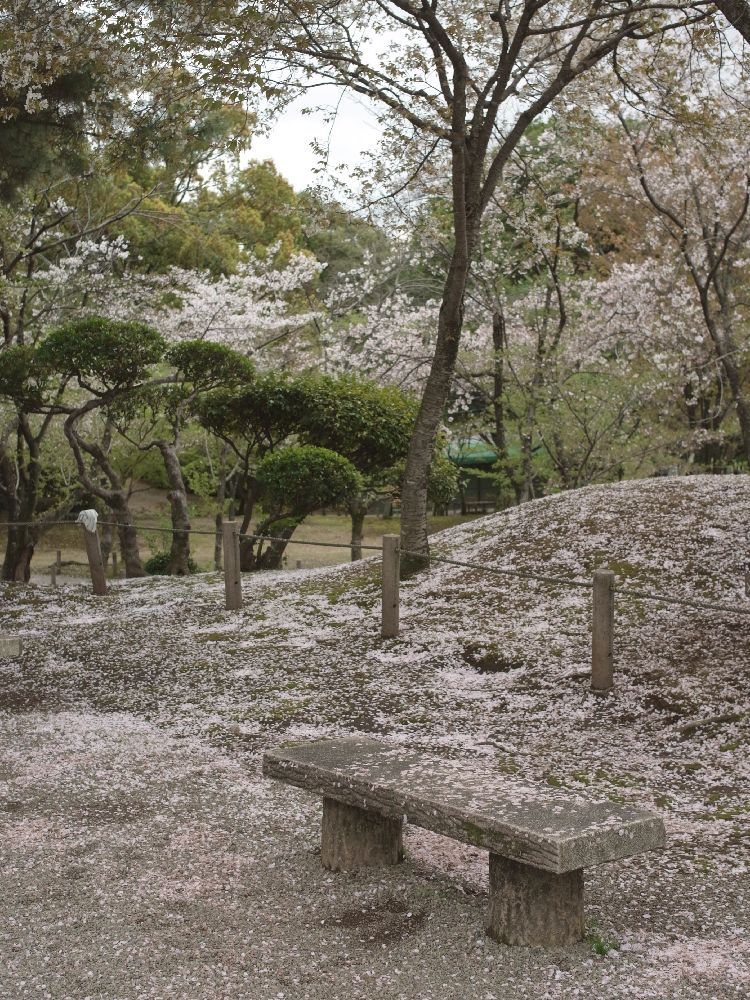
474	82
690	185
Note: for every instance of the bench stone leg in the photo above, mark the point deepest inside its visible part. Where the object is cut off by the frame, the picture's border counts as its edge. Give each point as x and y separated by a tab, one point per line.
354	838
532	907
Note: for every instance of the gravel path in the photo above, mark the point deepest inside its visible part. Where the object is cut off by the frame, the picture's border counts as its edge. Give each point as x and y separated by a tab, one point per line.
138	865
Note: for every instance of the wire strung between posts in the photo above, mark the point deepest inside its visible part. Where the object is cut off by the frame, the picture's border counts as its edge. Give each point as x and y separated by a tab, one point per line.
496	571
328	545
684	601
145	527
625	591
33	524
107	524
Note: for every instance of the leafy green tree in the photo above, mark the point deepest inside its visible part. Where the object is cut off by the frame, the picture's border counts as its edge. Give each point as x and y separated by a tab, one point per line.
369	424
296	481
198	367
106	363
29	395
251	421
255	208
339	237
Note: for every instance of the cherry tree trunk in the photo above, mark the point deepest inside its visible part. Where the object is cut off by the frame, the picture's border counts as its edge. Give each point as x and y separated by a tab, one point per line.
19	551
414	544
741	404
498	387
247	545
737	12
22	537
106	544
179	553
21	493
221	495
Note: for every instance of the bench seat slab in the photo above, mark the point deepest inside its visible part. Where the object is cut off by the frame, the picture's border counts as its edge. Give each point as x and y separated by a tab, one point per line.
534	908
475	804
354	838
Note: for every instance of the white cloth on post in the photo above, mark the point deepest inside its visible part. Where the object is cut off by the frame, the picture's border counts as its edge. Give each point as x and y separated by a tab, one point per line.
88	519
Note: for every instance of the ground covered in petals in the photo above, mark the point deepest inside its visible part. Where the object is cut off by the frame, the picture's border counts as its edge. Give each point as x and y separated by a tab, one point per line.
143	855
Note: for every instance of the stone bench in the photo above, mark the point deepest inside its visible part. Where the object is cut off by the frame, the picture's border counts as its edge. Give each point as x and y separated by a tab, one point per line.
539	841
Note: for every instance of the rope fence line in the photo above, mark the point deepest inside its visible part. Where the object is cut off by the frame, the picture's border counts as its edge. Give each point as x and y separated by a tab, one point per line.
161	531
299	541
683	601
497	571
429	559
603	586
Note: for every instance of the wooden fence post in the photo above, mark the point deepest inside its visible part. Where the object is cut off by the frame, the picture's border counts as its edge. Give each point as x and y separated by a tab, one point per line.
602	629
391	567
96	566
232	575
58	560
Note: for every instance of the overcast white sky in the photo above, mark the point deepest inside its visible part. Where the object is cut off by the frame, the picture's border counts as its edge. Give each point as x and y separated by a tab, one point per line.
288	144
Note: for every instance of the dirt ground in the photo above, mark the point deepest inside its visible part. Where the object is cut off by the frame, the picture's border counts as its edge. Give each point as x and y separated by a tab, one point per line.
143	855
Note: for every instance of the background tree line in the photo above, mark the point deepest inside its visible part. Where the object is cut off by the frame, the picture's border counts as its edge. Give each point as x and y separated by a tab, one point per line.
599	328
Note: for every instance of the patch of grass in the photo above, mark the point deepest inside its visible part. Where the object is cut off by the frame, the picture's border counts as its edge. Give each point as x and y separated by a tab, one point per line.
488	658
507	764
289	710
623	780
582	777
214	637
623	569
598	942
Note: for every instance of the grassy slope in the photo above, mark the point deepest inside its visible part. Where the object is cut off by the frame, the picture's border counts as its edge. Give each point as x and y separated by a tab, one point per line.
304	658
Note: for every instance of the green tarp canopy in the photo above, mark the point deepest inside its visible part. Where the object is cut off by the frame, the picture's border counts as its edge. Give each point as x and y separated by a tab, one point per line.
469	452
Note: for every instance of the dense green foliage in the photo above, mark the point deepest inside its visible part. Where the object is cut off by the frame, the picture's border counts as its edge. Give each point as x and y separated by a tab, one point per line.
23	378
107	352
297	480
371	425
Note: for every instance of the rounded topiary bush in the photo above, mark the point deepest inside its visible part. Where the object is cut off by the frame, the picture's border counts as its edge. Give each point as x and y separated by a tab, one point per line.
158	564
297	480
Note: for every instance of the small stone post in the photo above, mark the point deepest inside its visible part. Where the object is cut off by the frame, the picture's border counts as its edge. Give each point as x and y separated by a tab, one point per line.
602	629
10	646
232	575
96	566
391	569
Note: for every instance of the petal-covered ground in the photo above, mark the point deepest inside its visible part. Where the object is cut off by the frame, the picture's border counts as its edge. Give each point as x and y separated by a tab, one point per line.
143	855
